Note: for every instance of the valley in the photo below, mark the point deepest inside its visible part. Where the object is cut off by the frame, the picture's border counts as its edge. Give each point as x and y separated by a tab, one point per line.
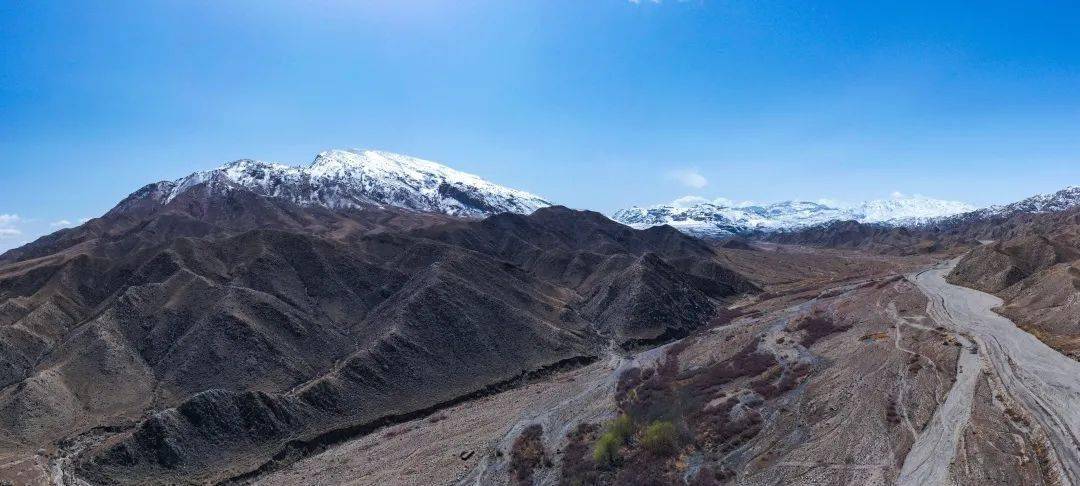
539	243
925	373
1038	379
379	319
873	397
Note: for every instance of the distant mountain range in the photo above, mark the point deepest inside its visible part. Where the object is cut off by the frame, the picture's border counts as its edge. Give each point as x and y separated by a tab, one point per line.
723	218
358	179
1062	200
353	179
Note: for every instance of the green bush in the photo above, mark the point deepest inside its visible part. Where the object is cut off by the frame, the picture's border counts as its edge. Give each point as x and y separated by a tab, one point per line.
606	452
660	438
622	427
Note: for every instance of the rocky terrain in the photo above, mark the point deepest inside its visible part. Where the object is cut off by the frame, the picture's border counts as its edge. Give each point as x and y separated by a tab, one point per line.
378	319
1036	273
215	334
852	377
874	238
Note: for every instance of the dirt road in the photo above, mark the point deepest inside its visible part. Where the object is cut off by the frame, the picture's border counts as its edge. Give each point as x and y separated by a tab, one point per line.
1042	380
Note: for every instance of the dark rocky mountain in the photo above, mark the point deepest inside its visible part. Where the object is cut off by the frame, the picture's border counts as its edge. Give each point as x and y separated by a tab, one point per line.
212	333
876	238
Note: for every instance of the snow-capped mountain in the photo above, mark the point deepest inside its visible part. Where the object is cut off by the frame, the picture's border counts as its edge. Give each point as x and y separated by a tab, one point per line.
722	218
352	179
1062	200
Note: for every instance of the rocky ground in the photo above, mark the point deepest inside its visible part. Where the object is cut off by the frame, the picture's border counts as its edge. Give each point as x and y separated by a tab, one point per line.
1033	264
840	374
846	368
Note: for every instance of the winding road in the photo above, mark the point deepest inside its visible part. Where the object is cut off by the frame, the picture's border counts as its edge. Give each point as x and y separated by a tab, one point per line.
1042	380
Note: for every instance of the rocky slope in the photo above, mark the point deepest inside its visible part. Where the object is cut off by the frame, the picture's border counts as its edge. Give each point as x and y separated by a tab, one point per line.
213	330
875	238
1036	271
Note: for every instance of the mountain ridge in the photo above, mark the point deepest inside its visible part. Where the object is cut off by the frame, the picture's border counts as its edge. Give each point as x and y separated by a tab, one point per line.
354	179
723	218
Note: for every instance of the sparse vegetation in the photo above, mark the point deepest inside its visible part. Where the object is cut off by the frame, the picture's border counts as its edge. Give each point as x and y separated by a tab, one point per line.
664	410
578	466
527	454
622	427
606	452
816	325
660	438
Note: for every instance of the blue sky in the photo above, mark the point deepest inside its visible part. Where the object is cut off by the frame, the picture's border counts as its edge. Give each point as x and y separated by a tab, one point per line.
592	103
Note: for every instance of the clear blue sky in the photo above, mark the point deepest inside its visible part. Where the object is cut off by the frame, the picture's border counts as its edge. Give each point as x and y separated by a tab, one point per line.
591	103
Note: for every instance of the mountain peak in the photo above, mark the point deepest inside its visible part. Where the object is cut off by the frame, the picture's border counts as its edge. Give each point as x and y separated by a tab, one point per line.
377	163
359	178
1064	199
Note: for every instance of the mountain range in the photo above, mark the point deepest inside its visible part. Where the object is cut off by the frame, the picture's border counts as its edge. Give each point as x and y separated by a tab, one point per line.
256	311
340	179
723	218
261	322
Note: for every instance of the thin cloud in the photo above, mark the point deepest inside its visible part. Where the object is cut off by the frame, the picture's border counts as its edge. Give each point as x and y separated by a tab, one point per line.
691	201
8	224
832	203
63	223
689	178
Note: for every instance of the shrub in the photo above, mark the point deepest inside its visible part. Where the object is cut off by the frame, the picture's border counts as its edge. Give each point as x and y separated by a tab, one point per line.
527	454
578	466
622	428
606	452
660	438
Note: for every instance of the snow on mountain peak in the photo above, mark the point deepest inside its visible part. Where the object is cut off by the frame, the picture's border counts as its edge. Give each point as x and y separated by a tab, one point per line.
902	210
1062	200
353	178
723	217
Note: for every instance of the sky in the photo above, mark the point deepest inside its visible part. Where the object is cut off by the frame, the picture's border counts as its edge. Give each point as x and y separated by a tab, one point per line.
598	104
